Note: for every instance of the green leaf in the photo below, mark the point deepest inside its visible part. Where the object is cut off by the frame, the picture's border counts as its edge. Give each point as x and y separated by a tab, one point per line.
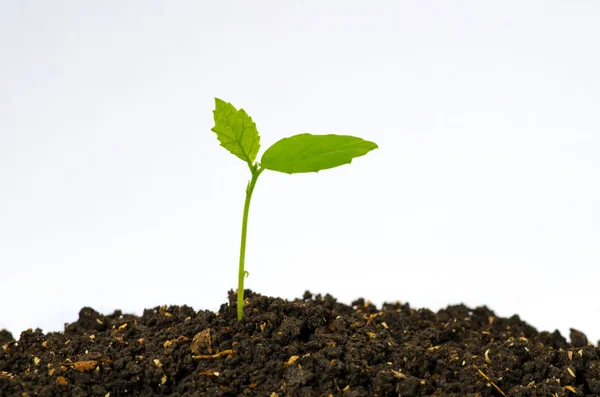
236	131
313	153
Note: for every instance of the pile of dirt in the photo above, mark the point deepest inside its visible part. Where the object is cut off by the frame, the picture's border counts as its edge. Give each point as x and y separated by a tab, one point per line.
313	346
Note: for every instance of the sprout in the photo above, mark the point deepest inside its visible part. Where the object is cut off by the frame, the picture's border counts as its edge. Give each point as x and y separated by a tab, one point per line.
297	154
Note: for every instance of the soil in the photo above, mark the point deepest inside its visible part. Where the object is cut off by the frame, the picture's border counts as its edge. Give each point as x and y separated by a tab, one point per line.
313	346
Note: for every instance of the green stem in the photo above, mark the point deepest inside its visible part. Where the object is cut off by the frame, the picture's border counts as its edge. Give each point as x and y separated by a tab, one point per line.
242	273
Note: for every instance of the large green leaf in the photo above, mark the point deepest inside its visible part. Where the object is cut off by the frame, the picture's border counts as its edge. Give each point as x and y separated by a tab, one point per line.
313	153
236	131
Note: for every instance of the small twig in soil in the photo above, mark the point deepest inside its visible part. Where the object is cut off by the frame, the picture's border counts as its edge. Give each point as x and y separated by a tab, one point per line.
227	353
489	380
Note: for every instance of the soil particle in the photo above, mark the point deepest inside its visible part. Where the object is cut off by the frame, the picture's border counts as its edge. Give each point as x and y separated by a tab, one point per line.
578	339
5	336
313	346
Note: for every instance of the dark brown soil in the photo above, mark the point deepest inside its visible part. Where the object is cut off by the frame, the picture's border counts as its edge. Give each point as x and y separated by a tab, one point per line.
310	347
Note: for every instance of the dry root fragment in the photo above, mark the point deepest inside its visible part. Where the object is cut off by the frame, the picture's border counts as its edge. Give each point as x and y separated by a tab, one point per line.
209	373
9	344
228	353
170	342
487	358
570	388
370	319
398	374
61	380
489	380
291	361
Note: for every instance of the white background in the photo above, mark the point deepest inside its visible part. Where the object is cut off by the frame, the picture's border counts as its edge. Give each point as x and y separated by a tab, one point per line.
114	193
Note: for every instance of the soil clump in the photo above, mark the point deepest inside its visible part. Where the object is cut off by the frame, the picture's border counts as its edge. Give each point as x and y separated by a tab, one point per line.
314	346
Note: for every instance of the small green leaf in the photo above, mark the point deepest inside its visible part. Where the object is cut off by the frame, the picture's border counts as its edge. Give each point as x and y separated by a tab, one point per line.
236	131
313	153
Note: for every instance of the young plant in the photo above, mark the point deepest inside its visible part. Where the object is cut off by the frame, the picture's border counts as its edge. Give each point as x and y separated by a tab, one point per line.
299	153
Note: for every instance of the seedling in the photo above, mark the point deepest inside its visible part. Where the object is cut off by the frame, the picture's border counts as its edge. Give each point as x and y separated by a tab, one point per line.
299	153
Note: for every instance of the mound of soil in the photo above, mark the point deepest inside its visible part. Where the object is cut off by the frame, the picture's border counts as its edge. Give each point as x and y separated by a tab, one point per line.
313	346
